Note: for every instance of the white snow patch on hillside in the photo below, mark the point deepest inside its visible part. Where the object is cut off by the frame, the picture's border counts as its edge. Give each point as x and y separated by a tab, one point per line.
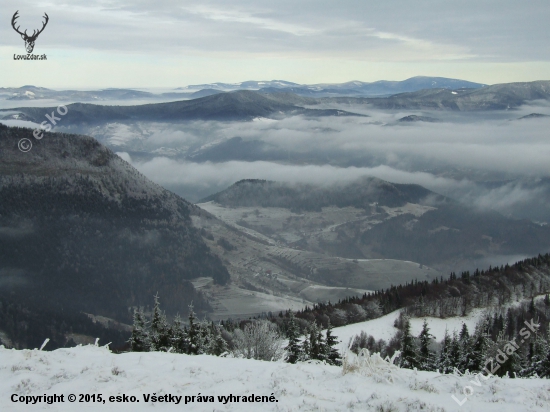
382	327
302	387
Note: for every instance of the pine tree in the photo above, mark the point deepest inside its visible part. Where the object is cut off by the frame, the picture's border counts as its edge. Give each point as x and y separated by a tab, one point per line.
444	362
160	332
535	355
194	334
464	334
464	357
140	340
426	361
544	368
408	348
217	344
178	336
532	307
293	349
476	361
316	343
205	337
305	349
455	352
332	355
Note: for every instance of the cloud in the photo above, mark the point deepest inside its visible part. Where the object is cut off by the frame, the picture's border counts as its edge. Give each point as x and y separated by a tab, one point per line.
194	181
489	161
167	42
500	145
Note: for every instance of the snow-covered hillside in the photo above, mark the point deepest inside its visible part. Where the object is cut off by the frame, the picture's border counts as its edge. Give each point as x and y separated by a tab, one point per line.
382	327
285	387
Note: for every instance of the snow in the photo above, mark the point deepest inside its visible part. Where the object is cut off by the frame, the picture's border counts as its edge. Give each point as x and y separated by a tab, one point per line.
374	386
382	327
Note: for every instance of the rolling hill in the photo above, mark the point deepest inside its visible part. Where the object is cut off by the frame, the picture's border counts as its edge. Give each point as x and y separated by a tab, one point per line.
373	219
239	105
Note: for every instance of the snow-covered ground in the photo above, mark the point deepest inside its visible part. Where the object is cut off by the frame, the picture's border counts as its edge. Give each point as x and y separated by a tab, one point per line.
382	327
91	370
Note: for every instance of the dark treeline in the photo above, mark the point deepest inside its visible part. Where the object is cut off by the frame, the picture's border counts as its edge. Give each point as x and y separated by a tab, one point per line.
258	339
455	296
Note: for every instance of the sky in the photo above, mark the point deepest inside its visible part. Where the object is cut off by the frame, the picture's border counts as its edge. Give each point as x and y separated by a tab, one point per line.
174	43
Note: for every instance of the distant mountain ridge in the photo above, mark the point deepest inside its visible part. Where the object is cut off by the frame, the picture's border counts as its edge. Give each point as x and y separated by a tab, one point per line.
30	92
353	88
247	105
357	88
239	105
496	97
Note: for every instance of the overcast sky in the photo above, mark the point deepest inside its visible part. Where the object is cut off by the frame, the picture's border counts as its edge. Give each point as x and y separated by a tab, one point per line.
172	43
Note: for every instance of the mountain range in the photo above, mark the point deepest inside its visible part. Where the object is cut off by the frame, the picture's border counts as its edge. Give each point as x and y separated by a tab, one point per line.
377	88
30	92
247	105
496	97
239	105
354	88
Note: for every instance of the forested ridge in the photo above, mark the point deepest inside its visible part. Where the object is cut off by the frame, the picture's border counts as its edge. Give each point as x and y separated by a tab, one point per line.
455	296
82	231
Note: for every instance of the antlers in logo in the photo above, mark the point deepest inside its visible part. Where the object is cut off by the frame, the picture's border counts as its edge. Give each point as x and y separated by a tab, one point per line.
29	40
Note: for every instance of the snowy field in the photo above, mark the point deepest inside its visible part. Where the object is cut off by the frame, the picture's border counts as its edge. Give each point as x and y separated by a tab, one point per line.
92	370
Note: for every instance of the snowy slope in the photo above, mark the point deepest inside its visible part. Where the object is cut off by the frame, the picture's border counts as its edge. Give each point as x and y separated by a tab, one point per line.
382	327
302	387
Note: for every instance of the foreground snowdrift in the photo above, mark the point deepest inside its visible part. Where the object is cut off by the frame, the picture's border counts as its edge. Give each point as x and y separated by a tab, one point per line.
303	387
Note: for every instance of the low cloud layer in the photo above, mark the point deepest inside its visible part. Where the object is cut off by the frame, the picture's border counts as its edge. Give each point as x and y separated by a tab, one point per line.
490	160
196	180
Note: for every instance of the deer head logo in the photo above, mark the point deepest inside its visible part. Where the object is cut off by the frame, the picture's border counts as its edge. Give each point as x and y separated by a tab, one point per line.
29	40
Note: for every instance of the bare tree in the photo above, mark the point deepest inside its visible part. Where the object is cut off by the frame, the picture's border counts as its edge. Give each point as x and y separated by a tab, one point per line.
259	340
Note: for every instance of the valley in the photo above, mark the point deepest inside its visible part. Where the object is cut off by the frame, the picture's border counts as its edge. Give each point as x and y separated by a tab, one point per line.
299	198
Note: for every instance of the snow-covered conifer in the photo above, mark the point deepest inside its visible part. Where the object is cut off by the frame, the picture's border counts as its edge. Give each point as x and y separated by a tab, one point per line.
193	334
178	336
465	349
444	362
140	340
293	349
408	357
216	344
332	355
160	332
426	356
